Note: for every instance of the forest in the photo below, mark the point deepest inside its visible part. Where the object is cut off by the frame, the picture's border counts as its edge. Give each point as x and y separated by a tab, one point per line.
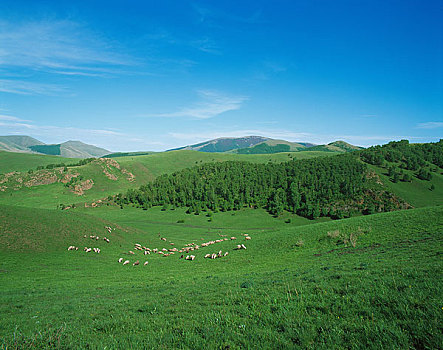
337	186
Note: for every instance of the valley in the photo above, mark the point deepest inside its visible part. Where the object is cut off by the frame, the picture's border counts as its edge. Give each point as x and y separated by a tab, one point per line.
301	282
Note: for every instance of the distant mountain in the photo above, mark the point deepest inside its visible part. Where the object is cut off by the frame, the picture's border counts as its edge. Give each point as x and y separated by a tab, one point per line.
336	146
18	143
69	149
224	144
264	145
274	146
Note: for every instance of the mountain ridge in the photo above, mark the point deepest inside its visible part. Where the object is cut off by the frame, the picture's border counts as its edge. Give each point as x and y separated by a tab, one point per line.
68	149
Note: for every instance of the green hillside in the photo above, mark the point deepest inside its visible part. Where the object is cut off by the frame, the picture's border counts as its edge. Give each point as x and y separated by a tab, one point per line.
48	188
336	146
42	230
272	146
225	144
367	281
13	161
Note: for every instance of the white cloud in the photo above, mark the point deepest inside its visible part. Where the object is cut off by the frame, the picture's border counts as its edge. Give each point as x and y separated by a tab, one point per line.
211	104
430	125
57	46
29	88
10	118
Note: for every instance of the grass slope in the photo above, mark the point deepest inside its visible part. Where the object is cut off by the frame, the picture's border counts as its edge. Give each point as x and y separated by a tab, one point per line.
12	161
145	168
294	287
417	192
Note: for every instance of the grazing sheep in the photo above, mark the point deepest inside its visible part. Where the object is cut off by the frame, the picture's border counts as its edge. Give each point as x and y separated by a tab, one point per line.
243	246
131	252
220	254
232	238
247	238
146	252
163	239
207	256
146	263
213	256
126	262
136	263
226	254
120	260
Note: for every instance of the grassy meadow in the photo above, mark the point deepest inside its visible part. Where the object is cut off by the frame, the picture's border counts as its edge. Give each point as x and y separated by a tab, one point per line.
11	161
363	282
371	281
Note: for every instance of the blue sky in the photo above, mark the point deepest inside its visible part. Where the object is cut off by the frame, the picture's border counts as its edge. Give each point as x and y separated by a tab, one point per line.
153	75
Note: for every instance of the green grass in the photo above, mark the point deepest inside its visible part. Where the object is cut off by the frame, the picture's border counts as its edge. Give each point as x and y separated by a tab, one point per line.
145	168
11	161
417	192
294	286
169	162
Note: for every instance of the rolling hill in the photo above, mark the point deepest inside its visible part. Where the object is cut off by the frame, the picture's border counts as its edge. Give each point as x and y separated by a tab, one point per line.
224	144
95	180
19	143
336	146
265	145
69	149
376	277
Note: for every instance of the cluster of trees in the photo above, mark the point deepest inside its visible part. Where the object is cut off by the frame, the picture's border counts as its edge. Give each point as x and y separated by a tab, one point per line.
315	187
74	180
60	165
330	186
410	156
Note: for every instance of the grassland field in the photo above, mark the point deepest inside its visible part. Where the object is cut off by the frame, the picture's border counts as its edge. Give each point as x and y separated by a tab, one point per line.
296	285
364	282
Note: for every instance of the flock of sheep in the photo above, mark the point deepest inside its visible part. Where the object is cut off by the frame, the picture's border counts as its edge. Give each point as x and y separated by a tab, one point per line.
185	251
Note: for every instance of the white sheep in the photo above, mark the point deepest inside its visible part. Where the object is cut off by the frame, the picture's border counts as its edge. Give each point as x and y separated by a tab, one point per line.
126	262
136	263
120	260
146	263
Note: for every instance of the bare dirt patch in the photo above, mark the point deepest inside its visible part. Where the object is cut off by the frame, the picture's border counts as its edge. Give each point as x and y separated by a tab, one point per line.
68	177
41	178
83	186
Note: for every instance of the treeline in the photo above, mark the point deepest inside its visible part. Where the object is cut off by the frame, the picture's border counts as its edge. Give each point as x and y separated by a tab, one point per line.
397	156
63	165
329	186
